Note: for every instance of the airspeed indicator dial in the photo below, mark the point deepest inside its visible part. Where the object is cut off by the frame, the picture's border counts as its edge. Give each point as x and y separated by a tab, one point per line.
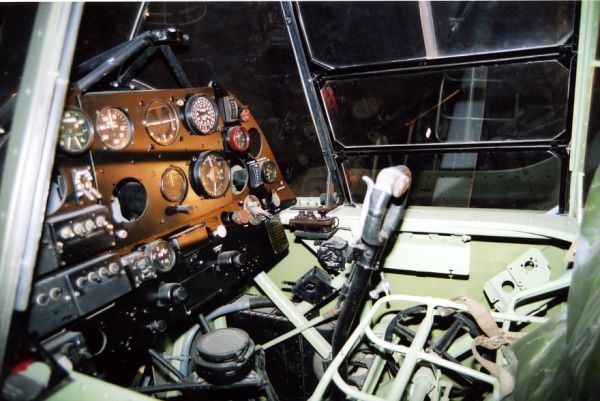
114	128
211	174
201	114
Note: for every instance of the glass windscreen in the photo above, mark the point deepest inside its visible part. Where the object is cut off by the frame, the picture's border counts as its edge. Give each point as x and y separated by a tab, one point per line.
344	34
512	102
511	180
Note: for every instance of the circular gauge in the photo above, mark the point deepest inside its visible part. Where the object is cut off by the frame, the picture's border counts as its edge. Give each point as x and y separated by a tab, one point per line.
268	171
238	139
161	255
75	134
114	128
173	184
201	114
210	174
161	122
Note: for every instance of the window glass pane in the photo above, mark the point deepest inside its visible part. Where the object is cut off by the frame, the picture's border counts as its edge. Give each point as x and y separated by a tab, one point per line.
245	48
488	26
510	180
343	34
499	103
16	23
354	33
104	26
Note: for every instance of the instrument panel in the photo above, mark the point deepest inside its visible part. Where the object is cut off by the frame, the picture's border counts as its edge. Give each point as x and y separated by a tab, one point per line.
151	188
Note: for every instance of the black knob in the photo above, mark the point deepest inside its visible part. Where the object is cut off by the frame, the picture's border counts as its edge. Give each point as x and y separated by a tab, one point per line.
172	294
158	326
179	295
231	258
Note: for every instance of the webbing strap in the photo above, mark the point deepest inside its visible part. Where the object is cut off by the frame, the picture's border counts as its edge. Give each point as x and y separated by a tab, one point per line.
494	338
507	381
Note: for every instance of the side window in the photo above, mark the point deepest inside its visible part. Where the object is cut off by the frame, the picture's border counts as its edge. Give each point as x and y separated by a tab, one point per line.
16	23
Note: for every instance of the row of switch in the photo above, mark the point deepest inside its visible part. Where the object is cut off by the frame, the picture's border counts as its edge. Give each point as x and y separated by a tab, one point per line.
83	228
54	294
96	277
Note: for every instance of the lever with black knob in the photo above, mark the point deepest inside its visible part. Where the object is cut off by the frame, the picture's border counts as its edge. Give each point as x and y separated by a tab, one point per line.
171	294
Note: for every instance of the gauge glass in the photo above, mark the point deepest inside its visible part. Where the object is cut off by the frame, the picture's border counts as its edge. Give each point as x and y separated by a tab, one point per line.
173	184
238	139
212	173
162	255
75	134
114	128
161	122
201	114
268	171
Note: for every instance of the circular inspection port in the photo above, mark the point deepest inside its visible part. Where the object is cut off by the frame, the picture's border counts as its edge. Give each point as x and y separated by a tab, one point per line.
130	200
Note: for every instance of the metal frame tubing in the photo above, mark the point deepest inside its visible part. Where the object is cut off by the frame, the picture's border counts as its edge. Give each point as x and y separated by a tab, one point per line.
412	354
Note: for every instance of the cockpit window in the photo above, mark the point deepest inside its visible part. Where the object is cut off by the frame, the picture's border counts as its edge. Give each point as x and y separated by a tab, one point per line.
504	180
523	101
345	34
16	23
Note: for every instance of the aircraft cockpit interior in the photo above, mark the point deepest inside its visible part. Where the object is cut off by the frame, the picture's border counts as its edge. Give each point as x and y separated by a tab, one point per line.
281	201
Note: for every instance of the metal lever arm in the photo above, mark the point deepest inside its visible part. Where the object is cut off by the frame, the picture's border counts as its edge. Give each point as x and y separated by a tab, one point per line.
101	65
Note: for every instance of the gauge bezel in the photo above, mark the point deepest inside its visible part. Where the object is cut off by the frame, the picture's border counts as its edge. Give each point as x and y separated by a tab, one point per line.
188	114
231	141
129	125
263	166
172	113
151	246
185	184
90	125
196	175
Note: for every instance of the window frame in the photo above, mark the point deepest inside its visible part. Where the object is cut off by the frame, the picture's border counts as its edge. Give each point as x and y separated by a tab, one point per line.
318	75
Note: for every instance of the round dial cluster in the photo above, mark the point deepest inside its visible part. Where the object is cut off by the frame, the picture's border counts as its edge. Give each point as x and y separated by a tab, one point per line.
211	174
114	128
201	114
161	122
75	134
238	139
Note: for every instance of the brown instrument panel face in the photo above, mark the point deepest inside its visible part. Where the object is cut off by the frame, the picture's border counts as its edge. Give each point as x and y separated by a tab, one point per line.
140	164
